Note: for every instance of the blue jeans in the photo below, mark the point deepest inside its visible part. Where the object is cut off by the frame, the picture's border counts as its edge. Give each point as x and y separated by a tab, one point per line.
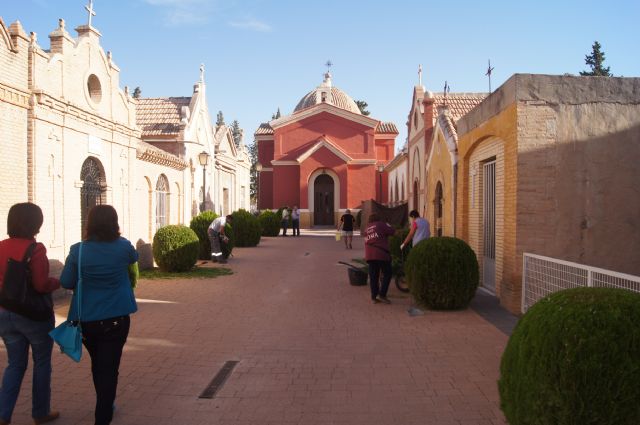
18	333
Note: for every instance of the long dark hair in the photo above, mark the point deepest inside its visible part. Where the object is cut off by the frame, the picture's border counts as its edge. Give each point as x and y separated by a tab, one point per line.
102	224
24	220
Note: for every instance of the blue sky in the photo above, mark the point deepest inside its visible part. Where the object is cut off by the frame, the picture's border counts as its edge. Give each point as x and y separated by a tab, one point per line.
261	55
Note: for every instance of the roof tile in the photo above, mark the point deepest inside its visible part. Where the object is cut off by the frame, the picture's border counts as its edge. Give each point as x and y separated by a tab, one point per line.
161	116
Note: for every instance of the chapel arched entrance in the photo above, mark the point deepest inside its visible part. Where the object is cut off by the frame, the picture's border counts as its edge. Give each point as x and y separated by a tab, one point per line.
323	206
94	188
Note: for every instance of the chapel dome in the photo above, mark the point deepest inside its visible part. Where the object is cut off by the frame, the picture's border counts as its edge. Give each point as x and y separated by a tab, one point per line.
330	94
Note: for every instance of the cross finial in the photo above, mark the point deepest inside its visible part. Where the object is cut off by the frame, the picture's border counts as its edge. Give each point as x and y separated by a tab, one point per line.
420	74
446	90
329	64
202	73
89	9
488	74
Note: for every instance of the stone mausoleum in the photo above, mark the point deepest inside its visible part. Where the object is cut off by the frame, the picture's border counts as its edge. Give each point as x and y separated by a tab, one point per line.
325	157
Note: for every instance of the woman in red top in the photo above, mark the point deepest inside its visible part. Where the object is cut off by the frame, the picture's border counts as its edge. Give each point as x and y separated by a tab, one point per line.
378	256
18	332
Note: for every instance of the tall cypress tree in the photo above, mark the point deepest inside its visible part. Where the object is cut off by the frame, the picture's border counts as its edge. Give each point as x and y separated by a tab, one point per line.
236	131
219	119
596	61
253	157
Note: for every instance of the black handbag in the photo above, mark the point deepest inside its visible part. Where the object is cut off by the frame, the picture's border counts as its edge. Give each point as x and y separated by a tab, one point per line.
18	294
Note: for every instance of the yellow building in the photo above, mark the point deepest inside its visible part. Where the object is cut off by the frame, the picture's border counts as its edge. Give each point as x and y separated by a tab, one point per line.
548	165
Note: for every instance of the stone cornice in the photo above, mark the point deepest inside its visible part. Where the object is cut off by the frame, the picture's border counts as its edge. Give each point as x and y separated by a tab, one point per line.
14	96
45	100
149	153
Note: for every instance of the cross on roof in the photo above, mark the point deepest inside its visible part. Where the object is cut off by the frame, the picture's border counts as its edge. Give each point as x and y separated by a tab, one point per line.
488	74
89	8
329	64
420	74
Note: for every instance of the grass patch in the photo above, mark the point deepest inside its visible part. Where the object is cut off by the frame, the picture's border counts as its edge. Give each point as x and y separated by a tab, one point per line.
194	273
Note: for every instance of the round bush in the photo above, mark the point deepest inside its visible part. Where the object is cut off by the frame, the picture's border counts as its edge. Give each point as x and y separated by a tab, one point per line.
200	224
269	223
246	228
574	358
175	248
442	273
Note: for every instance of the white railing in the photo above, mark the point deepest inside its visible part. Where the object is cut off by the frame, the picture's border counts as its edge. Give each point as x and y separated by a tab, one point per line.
542	276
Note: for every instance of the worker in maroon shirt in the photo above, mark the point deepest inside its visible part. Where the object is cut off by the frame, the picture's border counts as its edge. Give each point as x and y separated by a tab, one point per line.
378	256
19	332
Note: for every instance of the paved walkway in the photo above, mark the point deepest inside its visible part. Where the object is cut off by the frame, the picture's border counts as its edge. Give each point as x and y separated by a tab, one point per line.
312	350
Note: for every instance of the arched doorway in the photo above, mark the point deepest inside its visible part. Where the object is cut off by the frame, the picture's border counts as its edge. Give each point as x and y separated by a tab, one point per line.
323	192
93	190
437	206
415	196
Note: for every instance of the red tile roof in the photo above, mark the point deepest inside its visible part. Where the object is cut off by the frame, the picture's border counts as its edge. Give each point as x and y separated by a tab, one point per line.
160	116
386	127
264	129
459	104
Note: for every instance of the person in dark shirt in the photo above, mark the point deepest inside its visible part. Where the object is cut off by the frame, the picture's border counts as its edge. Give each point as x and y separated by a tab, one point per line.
346	225
378	256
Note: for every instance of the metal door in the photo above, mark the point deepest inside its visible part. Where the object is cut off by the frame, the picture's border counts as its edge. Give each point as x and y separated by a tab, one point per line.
323	200
92	192
489	226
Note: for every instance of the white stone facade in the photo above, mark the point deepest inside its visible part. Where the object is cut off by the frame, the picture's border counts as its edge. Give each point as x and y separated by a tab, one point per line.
72	138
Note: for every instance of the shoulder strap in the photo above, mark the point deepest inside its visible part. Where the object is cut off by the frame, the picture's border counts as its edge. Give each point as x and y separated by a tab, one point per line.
79	283
29	252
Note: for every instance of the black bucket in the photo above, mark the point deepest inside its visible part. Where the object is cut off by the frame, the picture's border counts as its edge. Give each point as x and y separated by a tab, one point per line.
357	277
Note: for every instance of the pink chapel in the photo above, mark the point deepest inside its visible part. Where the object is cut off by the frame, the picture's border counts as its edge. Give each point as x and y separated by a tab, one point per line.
325	157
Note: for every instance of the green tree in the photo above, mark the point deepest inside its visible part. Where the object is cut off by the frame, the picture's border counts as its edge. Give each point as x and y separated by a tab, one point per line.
253	157
362	105
219	119
596	61
236	131
137	92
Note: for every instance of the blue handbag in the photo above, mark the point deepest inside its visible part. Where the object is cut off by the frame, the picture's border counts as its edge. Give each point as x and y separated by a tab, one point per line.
68	335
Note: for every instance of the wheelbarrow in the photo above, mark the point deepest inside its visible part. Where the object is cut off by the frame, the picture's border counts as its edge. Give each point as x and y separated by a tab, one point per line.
357	277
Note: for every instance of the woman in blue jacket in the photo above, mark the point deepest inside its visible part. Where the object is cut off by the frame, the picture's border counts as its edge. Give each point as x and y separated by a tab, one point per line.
107	300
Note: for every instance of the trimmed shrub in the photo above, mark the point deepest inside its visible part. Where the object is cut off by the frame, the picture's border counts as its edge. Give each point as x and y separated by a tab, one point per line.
200	224
397	258
246	228
442	273
175	248
227	248
269	223
574	358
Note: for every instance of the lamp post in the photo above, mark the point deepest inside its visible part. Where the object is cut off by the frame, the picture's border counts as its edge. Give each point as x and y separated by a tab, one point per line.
203	158
259	171
380	170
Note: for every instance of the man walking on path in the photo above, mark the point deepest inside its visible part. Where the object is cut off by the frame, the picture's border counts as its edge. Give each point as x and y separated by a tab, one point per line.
346	224
216	236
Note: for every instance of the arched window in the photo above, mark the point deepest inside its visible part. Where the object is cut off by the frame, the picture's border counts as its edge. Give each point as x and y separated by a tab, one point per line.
94	186
438	207
162	201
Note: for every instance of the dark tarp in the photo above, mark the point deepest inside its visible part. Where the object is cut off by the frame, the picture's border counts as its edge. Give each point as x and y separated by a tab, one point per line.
395	216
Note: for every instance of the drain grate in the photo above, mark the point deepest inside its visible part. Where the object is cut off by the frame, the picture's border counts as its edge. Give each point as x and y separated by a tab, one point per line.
218	381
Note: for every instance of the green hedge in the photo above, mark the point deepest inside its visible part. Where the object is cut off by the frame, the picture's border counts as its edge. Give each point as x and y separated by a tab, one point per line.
574	359
397	258
200	224
269	223
246	229
175	248
227	248
442	273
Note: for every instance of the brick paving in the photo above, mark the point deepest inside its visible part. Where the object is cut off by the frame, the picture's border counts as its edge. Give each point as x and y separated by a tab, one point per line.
312	350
